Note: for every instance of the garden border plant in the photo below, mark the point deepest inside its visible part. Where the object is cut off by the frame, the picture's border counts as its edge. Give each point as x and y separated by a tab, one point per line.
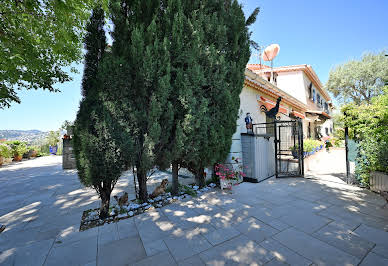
368	124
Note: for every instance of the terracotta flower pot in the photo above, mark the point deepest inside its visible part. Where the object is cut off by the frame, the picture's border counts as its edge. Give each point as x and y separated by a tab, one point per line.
18	158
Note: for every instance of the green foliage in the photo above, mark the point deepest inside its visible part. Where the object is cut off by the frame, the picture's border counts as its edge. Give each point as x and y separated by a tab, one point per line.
188	190
60	150
309	145
53	138
206	98
359	80
44	150
139	71
369	123
18	148
97	136
338	142
294	148
5	150
38	39
328	144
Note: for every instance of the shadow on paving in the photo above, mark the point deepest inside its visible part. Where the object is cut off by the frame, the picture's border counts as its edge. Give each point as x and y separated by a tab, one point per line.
298	221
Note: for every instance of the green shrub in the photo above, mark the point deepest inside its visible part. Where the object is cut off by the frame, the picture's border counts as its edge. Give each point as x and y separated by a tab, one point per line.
309	145
18	148
44	150
5	151
187	190
338	142
369	126
328	144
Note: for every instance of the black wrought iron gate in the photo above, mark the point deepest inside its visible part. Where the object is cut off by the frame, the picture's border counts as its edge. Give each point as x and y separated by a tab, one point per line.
288	148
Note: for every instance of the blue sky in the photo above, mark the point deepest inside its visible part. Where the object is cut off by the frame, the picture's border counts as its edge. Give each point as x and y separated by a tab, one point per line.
320	33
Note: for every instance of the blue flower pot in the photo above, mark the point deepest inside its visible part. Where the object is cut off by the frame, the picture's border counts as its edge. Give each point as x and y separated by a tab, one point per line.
54	150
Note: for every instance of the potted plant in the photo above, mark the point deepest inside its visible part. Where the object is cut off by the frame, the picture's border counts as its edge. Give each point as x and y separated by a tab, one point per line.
311	146
33	152
328	145
18	149
53	139
294	151
5	152
228	175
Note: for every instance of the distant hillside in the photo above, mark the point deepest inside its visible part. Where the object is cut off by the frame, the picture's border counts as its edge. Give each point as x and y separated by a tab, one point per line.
30	136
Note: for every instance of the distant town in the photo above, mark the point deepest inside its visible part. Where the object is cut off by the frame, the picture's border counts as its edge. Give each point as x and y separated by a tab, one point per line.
32	137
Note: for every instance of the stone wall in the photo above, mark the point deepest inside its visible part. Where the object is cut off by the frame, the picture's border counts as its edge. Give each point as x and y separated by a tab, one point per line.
68	159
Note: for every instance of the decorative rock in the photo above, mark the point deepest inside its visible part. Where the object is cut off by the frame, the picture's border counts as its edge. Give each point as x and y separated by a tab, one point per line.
130	213
133	206
112	213
169	199
159	205
195	187
122	215
151	200
175	197
212	185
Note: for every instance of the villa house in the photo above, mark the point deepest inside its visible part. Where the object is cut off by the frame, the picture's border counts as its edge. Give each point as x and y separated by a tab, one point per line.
256	93
302	82
303	97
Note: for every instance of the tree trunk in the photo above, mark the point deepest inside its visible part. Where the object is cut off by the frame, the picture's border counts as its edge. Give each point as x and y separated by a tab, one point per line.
142	179
105	201
200	177
175	181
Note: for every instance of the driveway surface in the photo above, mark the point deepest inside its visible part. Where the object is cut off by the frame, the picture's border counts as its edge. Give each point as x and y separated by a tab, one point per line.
296	221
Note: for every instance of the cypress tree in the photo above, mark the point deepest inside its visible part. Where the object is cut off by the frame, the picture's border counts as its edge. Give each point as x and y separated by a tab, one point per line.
209	49
187	78
223	58
96	133
140	97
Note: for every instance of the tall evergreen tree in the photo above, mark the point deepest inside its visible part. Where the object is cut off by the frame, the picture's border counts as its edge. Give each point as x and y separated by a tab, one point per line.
209	52
226	53
97	136
186	78
140	98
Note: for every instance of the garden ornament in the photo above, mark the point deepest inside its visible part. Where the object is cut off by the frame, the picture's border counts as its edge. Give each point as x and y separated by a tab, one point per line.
122	200
161	189
273	111
248	123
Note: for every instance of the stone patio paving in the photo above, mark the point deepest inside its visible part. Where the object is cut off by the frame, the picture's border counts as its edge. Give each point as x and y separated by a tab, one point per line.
297	221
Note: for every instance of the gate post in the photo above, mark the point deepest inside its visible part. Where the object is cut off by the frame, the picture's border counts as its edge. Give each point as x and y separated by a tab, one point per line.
347	154
276	149
301	153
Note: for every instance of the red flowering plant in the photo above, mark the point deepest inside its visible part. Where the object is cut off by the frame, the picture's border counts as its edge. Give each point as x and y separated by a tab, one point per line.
225	172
